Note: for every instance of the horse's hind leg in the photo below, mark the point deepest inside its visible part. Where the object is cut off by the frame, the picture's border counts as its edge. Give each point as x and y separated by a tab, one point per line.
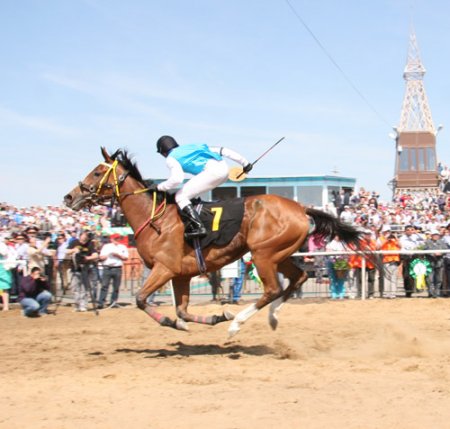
296	278
272	290
182	292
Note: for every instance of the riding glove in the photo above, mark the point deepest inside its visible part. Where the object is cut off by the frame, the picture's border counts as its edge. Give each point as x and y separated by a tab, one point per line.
247	168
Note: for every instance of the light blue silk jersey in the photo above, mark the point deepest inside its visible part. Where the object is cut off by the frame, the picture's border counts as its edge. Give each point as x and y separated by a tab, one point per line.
193	157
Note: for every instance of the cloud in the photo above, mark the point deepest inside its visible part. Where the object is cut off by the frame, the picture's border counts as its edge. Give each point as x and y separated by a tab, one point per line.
48	125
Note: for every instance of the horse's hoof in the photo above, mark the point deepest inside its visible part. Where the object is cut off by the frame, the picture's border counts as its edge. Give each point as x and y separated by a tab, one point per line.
228	315
233	330
273	321
181	325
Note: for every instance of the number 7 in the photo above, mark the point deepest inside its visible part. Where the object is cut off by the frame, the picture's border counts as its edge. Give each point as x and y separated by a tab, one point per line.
217	215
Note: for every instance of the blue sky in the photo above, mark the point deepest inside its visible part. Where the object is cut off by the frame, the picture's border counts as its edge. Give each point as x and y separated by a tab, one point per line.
79	74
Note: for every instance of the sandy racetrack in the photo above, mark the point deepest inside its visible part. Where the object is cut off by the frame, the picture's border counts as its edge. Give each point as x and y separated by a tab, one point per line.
373	364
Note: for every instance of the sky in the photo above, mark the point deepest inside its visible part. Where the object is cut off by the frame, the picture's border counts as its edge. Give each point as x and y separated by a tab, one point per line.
76	75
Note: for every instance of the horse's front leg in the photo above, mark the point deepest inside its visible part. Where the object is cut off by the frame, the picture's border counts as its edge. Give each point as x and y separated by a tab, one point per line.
182	293
158	277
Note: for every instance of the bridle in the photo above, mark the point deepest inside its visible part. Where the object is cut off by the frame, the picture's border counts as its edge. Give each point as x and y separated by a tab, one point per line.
96	198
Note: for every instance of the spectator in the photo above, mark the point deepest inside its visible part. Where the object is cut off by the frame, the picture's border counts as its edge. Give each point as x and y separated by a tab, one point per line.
434	279
112	256
62	259
231	272
446	284
21	248
337	283
34	295
238	282
367	243
391	263
38	252
5	275
408	241
347	215
84	258
215	282
338	201
73	236
316	243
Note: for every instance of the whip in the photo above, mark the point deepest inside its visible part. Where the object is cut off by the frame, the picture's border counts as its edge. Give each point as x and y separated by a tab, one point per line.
234	171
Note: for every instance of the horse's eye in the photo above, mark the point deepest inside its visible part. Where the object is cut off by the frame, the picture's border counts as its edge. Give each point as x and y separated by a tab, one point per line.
97	174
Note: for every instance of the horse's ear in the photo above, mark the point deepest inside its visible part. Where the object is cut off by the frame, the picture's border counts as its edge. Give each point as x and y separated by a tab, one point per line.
106	155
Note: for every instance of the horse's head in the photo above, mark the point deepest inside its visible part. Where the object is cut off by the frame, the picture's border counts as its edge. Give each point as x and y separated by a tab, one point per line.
101	185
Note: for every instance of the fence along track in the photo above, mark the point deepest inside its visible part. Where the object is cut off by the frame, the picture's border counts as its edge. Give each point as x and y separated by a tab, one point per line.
133	279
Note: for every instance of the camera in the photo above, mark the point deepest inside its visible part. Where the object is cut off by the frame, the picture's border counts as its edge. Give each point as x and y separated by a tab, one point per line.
43	235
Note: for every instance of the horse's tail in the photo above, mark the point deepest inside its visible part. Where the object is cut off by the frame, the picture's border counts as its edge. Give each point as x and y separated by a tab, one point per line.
328	226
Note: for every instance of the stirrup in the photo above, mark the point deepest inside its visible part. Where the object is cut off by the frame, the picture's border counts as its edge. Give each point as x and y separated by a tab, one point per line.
199	233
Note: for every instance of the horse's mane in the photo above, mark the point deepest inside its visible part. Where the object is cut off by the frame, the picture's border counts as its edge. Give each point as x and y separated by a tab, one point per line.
121	155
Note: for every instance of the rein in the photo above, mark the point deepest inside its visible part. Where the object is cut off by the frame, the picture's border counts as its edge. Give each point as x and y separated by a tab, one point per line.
157	212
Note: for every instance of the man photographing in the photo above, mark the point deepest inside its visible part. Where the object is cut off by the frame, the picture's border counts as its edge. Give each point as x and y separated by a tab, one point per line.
84	256
34	294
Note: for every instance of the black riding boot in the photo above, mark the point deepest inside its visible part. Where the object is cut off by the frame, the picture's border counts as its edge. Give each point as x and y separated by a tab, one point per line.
195	228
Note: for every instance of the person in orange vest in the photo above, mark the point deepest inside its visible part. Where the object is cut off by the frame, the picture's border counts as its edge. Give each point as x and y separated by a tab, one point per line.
391	263
367	243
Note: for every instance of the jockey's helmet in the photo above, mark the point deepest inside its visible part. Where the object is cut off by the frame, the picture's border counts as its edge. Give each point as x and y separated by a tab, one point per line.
165	144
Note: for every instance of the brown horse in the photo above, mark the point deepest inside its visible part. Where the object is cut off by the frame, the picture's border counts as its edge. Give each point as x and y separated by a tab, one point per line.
272	229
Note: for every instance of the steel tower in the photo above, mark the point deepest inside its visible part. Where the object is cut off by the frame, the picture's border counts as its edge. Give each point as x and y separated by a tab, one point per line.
415	136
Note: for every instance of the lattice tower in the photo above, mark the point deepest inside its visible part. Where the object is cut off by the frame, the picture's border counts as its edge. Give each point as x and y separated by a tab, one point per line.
416	113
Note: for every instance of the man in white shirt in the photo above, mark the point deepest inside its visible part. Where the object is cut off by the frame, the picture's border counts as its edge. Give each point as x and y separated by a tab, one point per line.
410	240
347	216
112	257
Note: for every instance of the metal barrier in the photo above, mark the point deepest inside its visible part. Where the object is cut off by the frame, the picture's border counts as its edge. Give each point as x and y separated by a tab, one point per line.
363	267
317	286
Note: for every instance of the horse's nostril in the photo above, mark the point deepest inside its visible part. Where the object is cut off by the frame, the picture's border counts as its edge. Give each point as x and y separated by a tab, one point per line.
68	198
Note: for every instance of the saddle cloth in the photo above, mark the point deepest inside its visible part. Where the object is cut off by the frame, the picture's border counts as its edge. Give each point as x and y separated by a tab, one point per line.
222	220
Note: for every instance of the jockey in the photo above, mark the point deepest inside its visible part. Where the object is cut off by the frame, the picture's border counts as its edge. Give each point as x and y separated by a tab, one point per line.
207	167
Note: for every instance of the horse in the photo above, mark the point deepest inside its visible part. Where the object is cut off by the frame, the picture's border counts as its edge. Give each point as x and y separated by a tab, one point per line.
272	229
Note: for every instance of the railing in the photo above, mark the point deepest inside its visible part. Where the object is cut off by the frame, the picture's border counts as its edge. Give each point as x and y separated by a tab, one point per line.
376	252
134	274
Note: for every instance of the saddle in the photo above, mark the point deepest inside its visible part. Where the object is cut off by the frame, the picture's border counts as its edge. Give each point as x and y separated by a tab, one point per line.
222	220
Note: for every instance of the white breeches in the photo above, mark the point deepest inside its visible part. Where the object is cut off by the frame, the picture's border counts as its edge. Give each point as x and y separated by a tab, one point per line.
214	174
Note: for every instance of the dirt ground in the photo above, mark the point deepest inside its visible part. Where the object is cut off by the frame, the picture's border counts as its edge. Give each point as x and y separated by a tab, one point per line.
351	364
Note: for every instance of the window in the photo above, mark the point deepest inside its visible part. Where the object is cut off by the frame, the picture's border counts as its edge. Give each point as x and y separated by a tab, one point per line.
248	191
413	159
403	162
421	159
225	193
283	191
310	195
431	160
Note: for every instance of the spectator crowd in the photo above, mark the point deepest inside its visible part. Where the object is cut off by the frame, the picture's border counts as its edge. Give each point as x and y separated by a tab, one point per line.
41	246
45	244
415	220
